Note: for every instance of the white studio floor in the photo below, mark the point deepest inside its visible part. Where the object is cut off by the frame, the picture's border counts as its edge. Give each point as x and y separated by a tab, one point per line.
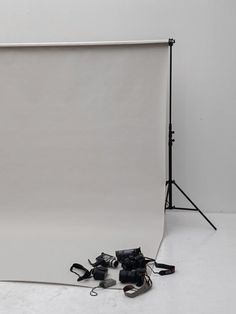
204	283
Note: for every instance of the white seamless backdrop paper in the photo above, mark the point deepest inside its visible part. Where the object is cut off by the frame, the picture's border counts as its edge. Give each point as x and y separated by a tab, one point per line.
82	155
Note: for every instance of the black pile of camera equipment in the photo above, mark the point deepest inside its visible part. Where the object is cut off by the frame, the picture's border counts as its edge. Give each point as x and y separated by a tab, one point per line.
134	271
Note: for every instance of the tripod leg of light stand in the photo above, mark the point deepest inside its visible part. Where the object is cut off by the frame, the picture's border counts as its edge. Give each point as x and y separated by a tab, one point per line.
195	207
167	195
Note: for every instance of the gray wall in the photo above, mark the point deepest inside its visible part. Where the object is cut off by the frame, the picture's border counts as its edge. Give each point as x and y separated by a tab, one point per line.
204	65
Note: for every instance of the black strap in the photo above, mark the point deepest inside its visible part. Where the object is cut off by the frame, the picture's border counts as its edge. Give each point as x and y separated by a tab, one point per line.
169	269
87	273
92	292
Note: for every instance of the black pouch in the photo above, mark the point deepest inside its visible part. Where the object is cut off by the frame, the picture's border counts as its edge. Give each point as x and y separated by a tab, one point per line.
99	273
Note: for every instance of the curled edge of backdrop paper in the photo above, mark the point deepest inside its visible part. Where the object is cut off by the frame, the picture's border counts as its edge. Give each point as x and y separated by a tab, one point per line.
82	157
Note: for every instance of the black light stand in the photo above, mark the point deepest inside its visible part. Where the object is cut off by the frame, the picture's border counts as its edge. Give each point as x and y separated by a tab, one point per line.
170	183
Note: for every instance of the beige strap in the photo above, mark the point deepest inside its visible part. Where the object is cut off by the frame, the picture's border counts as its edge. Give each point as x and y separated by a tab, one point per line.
132	291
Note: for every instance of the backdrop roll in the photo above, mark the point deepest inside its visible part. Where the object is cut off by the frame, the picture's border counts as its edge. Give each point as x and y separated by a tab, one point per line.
82	155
